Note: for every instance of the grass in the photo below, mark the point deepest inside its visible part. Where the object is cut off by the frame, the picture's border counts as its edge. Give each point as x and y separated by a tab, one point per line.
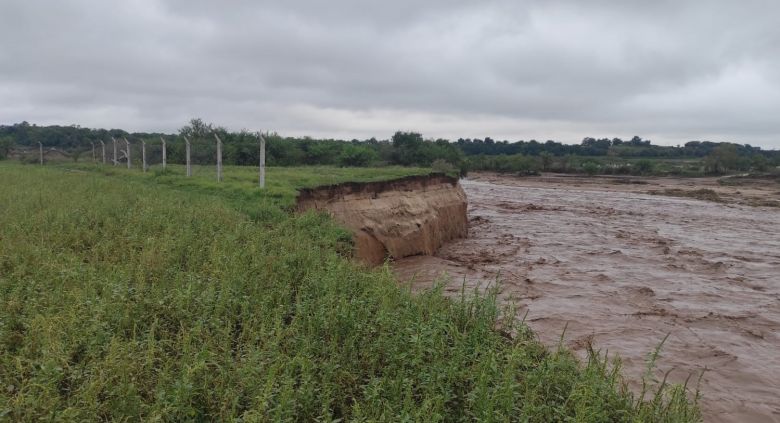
239	184
131	297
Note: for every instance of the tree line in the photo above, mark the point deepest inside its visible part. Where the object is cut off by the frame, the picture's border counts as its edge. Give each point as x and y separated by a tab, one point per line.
591	155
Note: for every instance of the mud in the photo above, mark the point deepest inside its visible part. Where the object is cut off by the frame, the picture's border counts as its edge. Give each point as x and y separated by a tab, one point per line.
397	218
622	268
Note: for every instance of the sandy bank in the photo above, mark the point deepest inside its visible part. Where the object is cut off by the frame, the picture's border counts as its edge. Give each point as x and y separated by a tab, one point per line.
397	218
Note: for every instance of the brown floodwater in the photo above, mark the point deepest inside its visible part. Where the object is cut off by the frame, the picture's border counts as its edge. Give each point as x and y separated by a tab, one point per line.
621	269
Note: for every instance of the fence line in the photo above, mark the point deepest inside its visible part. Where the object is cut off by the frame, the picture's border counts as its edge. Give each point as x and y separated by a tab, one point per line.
126	154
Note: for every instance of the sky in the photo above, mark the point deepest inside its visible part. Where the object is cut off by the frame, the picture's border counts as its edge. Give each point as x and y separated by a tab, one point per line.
668	71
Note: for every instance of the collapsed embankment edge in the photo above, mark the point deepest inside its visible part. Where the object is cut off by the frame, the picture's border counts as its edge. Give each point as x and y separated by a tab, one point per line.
394	218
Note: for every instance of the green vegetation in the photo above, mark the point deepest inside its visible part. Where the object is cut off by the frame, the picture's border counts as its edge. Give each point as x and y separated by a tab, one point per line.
129	296
593	156
5	146
239	184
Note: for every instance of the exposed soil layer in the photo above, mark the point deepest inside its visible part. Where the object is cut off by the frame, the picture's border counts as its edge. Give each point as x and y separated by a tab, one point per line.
623	268
396	218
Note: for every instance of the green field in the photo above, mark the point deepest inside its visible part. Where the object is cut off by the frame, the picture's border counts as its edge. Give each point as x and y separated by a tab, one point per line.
240	182
128	296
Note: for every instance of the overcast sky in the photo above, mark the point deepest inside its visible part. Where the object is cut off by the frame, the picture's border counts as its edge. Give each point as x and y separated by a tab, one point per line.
670	71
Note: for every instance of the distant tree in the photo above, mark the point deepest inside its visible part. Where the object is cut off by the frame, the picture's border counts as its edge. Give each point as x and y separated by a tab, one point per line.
408	140
243	153
758	163
565	163
591	167
199	129
407	147
283	151
323	152
5	146
546	159
722	159
357	155
643	167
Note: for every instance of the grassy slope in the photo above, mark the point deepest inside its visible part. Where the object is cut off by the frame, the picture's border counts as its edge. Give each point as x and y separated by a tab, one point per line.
154	297
240	182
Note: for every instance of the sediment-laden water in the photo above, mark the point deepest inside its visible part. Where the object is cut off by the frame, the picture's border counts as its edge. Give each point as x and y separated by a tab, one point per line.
623	269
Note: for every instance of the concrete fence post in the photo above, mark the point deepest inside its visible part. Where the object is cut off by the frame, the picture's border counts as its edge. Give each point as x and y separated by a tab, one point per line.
129	162
187	153
40	152
219	158
164	153
103	149
261	175
143	155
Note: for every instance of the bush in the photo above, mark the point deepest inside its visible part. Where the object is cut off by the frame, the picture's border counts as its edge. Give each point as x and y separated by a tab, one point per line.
5	147
443	166
591	168
643	167
357	156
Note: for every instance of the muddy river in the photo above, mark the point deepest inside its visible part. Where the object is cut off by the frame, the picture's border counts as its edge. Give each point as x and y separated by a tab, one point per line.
622	269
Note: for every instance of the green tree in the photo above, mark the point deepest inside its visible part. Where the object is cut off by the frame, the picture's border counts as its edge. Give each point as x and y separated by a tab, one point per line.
758	163
643	167
323	152
357	156
591	168
5	146
546	159
198	129
722	159
407	146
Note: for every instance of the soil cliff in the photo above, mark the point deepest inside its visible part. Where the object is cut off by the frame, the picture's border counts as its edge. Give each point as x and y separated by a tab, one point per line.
396	218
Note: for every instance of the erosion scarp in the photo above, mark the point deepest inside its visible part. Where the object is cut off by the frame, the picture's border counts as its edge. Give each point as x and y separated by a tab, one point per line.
396	218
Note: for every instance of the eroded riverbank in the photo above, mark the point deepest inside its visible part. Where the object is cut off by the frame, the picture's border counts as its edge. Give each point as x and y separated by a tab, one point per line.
395	218
622	269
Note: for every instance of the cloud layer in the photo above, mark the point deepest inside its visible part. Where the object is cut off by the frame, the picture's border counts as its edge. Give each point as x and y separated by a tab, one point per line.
667	70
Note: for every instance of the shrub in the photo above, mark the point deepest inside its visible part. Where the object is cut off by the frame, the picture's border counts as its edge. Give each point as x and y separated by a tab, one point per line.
443	166
357	156
644	167
591	168
5	147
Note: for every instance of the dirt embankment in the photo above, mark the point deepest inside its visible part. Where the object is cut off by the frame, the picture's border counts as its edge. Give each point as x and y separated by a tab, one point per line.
397	218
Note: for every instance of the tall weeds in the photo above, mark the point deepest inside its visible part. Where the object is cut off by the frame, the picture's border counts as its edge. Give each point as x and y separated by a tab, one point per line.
123	299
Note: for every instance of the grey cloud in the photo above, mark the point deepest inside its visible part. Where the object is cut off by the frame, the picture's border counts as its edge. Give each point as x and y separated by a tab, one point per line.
668	70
